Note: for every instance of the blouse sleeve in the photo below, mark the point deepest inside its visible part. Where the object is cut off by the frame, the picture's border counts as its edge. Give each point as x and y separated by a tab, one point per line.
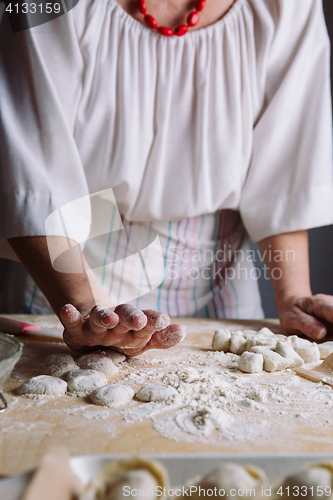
289	184
41	74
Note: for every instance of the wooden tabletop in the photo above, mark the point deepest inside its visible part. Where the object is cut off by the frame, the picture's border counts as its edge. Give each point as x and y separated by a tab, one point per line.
29	426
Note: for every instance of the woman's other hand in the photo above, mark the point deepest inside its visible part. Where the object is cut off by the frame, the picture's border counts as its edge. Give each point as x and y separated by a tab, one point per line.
310	316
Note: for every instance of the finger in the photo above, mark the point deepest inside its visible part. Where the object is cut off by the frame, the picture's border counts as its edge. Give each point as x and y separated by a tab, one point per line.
297	321
102	318
72	321
169	337
70	317
319	305
130	318
156	320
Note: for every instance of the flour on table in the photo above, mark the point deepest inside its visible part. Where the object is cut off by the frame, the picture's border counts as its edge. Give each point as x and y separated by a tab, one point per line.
83	382
99	363
43	385
112	395
58	365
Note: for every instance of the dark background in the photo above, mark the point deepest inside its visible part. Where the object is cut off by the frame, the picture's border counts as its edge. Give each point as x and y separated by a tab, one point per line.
321	239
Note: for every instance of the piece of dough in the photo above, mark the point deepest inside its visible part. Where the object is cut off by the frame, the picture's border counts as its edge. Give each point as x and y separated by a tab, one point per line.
260	341
221	340
237	343
115	356
273	362
112	395
119	477
267	332
259	349
158	393
251	362
99	363
296	341
83	382
59	364
309	353
325	349
43	385
286	351
314	481
229	479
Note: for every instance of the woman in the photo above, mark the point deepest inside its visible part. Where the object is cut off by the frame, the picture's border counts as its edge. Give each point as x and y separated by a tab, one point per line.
203	138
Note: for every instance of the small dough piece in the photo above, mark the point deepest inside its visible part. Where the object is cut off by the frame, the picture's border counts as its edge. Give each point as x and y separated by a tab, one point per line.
120	476
43	385
237	343
115	356
57	365
249	332
259	349
312	481
99	363
286	351
83	382
267	332
260	341
221	340
161	393
251	362
112	395
309	353
296	341
273	362
228	477
325	349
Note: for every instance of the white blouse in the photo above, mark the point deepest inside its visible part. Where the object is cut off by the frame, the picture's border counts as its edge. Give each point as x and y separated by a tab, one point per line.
236	115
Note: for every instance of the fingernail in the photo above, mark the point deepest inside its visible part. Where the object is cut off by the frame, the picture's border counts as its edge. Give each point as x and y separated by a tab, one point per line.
321	334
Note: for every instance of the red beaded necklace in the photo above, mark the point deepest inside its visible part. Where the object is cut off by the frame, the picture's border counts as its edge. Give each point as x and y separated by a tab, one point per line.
151	22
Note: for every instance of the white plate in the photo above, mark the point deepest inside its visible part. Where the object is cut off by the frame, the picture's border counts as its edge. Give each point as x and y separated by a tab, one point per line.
180	467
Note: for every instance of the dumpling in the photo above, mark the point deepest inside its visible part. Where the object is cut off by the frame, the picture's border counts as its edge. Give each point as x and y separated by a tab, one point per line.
219	482
314	482
134	477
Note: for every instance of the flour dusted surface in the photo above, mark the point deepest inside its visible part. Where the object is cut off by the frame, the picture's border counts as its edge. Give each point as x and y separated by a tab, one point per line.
258	412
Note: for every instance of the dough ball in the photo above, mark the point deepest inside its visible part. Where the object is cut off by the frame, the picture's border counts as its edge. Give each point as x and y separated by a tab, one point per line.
112	395
43	385
99	363
286	351
251	362
249	333
273	362
119	477
115	356
296	341
59	364
325	349
267	332
84	382
158	393
228	477
221	340
309	352
260	341
237	343
316	476
259	349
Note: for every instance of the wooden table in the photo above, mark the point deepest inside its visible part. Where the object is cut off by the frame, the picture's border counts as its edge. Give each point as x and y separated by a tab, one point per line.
29	426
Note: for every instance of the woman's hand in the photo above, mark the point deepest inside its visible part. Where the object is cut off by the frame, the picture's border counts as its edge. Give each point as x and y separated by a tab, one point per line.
310	316
127	329
300	312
